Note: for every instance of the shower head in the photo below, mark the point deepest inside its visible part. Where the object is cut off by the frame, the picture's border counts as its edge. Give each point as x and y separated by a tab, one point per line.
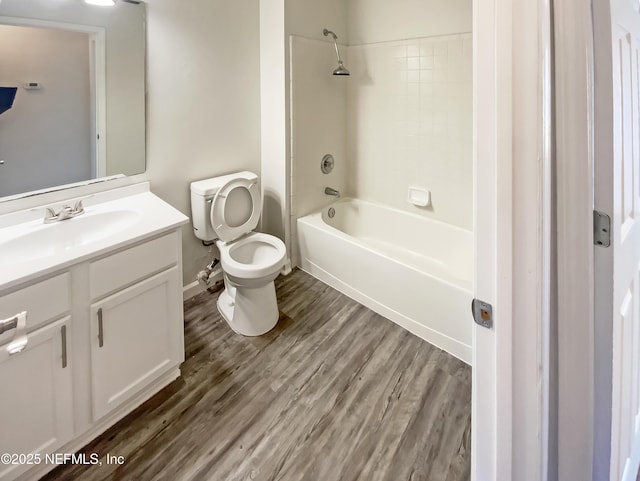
341	70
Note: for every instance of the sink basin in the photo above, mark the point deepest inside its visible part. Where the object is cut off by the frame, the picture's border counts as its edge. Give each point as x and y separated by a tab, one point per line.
37	240
113	219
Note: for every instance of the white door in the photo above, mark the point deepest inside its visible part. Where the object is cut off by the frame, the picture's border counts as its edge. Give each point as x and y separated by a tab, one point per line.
617	277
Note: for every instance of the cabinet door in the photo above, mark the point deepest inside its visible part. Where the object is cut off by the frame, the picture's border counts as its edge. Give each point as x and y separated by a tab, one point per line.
137	335
36	398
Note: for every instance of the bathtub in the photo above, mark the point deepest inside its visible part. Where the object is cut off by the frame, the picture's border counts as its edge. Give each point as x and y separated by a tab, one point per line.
412	270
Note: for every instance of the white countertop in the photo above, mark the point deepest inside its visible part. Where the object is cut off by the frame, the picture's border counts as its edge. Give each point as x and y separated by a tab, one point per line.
112	219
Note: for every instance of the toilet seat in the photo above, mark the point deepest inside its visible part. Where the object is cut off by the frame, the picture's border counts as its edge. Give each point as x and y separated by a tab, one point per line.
254	256
224	229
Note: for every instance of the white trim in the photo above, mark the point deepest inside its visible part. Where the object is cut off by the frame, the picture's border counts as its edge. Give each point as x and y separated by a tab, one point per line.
34	22
100	76
92	106
192	289
97	35
602	258
491	417
503	274
532	235
546	368
574	120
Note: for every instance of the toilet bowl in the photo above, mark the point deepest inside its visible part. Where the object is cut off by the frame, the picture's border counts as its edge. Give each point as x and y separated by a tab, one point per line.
253	259
226	210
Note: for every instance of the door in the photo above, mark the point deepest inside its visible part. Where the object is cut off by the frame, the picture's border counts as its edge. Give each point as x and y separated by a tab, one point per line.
135	339
36	400
617	275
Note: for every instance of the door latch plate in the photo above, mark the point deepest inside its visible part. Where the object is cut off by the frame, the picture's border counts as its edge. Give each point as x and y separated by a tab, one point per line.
482	313
601	229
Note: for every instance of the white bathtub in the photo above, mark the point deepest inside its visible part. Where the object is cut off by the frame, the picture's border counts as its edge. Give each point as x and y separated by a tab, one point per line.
412	270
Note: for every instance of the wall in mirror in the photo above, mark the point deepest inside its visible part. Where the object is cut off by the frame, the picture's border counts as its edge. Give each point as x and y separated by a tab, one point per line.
79	109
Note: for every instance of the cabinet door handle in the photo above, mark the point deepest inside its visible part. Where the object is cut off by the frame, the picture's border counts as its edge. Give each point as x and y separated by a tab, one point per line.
100	329
63	336
8	324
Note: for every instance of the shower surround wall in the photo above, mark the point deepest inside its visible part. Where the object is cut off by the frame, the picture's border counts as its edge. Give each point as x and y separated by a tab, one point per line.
409	124
318	111
402	119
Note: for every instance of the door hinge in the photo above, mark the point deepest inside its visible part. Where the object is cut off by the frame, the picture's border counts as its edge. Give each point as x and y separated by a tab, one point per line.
482	313
601	229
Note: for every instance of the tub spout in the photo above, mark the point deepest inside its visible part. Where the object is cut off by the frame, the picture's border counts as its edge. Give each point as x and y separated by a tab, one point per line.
331	191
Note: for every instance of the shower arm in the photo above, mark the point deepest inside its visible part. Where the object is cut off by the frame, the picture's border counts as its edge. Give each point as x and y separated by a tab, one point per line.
335	42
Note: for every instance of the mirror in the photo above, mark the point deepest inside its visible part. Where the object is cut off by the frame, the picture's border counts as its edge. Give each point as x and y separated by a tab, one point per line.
77	74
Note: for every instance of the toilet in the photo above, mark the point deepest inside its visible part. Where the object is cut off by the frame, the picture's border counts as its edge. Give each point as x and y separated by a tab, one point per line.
226	210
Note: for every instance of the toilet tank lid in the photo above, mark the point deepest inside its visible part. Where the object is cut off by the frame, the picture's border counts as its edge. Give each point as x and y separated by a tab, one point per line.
209	187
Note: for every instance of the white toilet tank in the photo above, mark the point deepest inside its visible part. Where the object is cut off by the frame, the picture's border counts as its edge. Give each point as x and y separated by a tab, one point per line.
202	194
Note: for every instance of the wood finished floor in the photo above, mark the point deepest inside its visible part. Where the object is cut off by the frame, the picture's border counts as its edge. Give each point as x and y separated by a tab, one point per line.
335	392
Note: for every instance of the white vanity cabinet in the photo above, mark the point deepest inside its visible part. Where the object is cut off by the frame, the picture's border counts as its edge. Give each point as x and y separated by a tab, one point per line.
103	327
134	333
103	336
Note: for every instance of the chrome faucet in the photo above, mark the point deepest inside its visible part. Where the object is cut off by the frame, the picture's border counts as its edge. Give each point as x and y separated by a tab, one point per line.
331	191
67	212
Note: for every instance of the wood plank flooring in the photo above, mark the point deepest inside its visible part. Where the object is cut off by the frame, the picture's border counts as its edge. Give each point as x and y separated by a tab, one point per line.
335	392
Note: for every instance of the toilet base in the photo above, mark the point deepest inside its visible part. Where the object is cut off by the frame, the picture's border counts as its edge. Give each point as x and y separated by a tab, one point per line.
249	311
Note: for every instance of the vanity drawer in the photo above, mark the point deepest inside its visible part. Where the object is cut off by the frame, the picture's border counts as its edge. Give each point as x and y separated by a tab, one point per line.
43	301
124	268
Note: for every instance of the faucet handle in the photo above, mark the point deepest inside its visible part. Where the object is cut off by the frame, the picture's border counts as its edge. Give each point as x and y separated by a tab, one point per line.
50	214
78	208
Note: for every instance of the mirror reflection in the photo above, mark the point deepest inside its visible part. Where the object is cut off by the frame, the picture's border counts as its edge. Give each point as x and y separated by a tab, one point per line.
72	92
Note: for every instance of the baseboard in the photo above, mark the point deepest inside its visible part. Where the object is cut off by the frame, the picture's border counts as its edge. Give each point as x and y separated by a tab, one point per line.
192	289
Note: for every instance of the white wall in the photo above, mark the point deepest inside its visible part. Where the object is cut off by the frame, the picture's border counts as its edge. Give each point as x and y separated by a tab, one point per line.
318	124
279	19
45	137
318	127
410	125
372	21
203	100
273	113
407	110
308	18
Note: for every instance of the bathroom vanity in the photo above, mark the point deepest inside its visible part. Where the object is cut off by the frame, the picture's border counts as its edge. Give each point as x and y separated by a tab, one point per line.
91	309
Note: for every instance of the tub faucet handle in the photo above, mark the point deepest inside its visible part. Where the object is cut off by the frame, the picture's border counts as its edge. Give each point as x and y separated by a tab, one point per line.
331	191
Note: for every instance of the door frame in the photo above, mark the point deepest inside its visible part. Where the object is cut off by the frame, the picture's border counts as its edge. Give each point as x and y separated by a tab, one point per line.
583	450
98	78
512	416
492	225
